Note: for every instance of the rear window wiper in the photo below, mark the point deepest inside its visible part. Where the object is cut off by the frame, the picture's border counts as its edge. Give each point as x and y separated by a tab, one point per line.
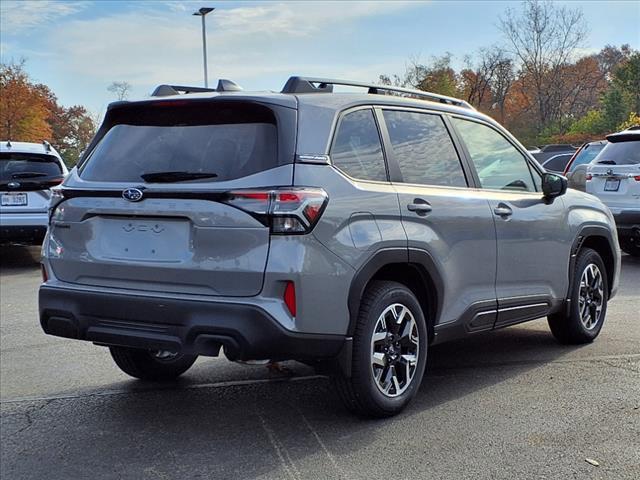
28	175
177	176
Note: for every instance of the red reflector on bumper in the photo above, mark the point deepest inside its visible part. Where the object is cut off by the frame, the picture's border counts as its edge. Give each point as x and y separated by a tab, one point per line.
290	297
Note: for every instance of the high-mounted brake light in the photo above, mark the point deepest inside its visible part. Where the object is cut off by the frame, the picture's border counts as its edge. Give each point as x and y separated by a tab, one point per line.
285	210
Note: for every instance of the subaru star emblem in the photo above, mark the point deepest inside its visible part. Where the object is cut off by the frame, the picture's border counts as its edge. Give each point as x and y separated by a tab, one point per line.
13	184
132	194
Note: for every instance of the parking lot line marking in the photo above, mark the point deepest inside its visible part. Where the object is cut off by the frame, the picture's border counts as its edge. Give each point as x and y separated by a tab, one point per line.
289	466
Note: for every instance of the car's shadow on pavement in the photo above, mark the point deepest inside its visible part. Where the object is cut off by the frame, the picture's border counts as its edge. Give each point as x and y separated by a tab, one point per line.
260	430
17	258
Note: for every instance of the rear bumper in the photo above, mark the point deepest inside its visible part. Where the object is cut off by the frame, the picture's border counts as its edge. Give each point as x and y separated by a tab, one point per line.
23	227
627	222
246	332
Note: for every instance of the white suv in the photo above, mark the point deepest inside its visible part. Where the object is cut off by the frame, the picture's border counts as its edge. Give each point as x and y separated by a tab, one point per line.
27	172
614	177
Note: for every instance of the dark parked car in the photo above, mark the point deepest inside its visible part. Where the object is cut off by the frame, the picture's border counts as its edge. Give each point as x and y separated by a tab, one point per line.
548	151
557	163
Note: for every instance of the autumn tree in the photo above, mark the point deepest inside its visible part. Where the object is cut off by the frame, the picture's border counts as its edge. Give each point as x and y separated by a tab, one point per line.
544	38
24	106
30	112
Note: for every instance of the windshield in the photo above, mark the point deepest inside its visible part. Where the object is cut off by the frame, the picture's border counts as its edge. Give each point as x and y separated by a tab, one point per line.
620	153
585	155
17	166
186	144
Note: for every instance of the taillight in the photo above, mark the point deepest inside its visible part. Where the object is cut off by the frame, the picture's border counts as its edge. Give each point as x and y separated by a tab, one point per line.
588	177
290	298
286	211
637	178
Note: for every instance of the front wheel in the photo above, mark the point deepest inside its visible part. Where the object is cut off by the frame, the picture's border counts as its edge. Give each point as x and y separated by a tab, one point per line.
588	308
157	365
389	352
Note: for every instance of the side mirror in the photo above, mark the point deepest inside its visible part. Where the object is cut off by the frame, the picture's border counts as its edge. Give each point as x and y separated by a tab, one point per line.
553	185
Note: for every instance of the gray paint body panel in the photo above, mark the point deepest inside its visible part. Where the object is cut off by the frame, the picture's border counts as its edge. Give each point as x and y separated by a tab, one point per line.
219	255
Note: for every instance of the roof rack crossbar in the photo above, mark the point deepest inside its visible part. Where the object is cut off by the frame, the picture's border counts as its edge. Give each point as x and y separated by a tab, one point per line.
308	85
224	85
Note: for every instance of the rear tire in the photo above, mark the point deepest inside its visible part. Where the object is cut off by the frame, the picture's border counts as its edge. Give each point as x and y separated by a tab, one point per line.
389	352
629	246
588	308
148	365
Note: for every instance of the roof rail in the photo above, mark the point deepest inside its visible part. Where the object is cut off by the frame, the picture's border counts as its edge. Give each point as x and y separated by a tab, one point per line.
325	85
224	85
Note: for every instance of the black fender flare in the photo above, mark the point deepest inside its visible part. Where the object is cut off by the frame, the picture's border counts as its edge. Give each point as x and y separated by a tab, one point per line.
585	232
420	259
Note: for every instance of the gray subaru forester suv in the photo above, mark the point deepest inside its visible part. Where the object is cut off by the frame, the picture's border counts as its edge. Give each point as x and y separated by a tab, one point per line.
348	231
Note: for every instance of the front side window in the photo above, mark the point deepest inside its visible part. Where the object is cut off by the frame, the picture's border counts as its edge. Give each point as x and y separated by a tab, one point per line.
357	150
423	148
499	164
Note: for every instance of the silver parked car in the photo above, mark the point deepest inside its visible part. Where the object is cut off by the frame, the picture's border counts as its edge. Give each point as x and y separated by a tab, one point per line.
614	177
27	173
348	231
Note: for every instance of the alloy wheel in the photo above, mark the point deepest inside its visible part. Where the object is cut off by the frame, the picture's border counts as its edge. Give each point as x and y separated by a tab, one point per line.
591	296
394	350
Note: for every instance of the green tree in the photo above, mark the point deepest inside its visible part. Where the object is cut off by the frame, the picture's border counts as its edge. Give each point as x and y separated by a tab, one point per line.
627	78
615	108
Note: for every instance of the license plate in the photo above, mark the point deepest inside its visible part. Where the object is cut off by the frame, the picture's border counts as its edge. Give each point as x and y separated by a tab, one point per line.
611	185
14	200
142	240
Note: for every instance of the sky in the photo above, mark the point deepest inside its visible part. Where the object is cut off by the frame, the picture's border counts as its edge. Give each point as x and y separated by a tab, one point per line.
78	48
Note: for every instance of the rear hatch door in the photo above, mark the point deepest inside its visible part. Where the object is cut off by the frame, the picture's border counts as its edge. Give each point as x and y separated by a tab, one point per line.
147	210
25	180
614	175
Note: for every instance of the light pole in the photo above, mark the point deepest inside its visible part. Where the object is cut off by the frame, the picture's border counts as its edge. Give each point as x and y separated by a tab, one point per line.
202	13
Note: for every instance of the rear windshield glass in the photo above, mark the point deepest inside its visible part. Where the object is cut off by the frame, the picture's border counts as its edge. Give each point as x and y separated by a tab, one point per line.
621	153
587	154
16	166
220	142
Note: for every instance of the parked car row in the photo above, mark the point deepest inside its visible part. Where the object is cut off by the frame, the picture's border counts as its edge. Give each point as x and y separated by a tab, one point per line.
27	172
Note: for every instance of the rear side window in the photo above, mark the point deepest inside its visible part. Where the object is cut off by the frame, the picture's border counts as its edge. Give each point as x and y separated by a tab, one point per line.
16	166
498	163
585	155
423	148
620	153
357	150
228	141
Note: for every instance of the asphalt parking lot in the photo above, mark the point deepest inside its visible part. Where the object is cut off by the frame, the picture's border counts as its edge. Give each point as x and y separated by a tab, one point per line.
512	404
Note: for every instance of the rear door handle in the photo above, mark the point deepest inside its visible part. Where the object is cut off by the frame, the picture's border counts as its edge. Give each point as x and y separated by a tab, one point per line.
420	206
503	210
